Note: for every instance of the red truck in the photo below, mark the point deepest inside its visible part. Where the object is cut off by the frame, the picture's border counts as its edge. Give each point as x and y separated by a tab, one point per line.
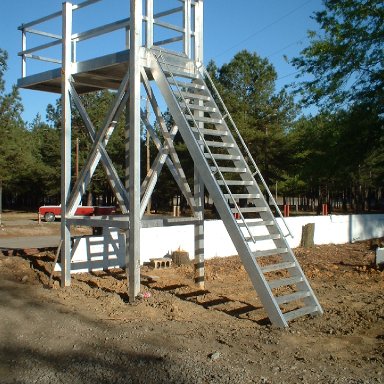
50	212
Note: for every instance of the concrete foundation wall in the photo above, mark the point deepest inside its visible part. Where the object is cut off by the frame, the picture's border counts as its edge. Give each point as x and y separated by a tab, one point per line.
331	229
158	242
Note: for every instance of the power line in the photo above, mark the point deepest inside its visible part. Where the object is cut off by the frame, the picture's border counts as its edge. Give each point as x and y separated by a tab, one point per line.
287	46
288	75
264	28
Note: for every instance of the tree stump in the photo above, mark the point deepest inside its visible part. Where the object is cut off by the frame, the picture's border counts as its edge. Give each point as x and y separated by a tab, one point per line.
307	235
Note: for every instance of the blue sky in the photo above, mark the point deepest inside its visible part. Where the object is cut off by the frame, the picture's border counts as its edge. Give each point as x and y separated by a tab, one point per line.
271	28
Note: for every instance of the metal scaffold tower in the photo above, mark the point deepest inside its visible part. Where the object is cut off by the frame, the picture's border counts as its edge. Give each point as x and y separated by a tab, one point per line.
162	60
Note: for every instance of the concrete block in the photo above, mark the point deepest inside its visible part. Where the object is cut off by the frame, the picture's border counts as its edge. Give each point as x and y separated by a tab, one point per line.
379	260
180	257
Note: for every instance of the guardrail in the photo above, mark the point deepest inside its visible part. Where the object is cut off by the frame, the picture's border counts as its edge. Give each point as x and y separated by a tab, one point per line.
57	39
189	33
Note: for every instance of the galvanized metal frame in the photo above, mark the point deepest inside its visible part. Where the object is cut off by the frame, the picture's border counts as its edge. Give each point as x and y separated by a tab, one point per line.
149	59
163	157
132	197
66	128
176	168
99	153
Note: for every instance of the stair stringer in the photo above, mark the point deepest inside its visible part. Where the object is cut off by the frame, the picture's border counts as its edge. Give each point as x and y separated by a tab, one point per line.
256	275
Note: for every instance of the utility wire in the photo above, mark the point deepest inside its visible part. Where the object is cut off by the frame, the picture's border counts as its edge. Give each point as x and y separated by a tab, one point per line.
288	75
287	46
263	29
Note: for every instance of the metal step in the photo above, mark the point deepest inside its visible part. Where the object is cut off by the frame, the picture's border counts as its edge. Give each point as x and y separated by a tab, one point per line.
270	252
210	132
261	223
251	209
197	107
220	156
218	144
177	71
284	282
274	236
202	119
278	267
183	84
292	297
235	182
243	196
229	169
197	96
307	310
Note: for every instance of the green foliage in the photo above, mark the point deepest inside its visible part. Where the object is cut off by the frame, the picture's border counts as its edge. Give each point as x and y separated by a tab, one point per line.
97	105
342	152
47	168
346	57
16	158
262	115
339	151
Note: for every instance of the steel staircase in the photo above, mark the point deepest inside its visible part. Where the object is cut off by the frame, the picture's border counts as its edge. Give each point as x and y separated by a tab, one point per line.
236	187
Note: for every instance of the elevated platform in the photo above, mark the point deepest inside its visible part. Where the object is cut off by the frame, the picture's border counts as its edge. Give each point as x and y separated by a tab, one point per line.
105	72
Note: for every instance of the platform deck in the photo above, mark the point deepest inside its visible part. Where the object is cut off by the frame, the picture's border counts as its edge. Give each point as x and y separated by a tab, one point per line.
104	72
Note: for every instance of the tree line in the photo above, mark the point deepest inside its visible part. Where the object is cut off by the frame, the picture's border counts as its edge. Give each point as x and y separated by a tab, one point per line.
334	157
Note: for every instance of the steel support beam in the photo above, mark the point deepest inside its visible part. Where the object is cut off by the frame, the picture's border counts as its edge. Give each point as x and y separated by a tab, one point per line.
149	24
66	144
134	151
199	38
180	178
199	185
199	225
98	151
199	231
187	27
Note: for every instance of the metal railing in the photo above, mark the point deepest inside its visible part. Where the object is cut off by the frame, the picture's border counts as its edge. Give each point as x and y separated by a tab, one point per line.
160	59
57	39
245	149
189	32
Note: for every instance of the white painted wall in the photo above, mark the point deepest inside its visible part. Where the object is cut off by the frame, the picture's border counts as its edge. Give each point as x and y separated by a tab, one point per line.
159	241
331	229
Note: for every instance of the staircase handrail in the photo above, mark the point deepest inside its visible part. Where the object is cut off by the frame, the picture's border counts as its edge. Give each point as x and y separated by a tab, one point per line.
244	145
242	218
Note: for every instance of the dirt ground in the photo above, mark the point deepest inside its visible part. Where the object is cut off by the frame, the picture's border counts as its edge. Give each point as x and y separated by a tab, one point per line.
89	333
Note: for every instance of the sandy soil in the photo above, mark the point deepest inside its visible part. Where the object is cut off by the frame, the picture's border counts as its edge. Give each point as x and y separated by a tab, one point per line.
89	333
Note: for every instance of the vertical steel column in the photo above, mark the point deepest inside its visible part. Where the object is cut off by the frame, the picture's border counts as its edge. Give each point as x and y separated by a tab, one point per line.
198	184
199	14
199	231
187	27
66	143
136	18
149	24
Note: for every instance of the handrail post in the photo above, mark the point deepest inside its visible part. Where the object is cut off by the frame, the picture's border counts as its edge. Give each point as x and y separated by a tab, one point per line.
199	17
23	48
73	51
149	24
187	27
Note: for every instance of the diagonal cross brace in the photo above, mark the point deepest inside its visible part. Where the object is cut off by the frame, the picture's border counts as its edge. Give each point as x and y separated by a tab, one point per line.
161	158
173	160
100	139
112	176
